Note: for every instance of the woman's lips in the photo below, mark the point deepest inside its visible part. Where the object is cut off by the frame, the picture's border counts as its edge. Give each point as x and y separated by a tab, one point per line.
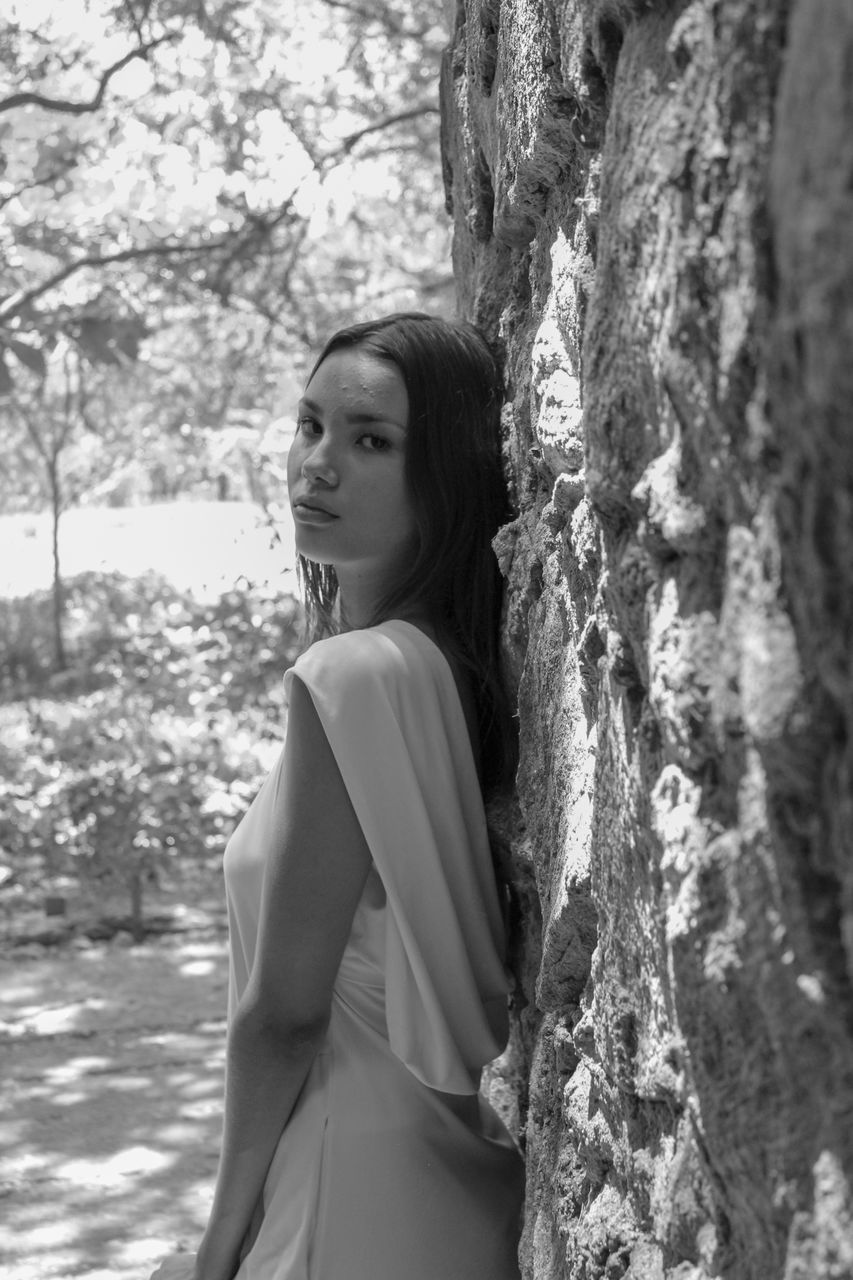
307	513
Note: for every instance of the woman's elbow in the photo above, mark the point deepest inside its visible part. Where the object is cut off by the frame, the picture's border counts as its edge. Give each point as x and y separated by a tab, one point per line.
291	1027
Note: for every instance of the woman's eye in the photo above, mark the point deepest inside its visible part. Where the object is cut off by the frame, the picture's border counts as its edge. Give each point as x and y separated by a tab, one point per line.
308	426
374	444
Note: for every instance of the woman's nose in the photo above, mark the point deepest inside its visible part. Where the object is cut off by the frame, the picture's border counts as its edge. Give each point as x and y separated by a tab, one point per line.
319	465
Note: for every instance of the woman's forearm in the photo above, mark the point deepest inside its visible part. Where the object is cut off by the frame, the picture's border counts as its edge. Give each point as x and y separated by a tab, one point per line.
266	1066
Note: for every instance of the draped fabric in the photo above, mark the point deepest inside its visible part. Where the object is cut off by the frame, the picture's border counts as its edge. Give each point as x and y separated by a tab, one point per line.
391	1165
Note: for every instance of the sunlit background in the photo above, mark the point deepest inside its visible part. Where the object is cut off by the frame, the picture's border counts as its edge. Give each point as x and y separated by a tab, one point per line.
192	197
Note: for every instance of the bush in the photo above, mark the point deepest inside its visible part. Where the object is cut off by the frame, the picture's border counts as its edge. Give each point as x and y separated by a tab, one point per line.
153	744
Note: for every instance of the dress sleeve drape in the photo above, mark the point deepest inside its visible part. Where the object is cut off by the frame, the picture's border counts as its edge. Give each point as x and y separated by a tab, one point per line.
388	703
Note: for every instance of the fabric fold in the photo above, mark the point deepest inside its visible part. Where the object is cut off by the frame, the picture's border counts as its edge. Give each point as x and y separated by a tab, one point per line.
418	802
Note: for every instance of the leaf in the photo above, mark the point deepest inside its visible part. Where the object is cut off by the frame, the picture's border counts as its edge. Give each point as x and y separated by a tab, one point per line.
95	337
57	150
32	357
108	339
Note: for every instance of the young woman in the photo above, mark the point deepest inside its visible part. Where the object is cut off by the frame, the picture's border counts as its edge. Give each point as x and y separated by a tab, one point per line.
368	986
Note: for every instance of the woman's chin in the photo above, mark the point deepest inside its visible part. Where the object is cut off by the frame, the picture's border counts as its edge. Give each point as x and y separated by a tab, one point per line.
312	549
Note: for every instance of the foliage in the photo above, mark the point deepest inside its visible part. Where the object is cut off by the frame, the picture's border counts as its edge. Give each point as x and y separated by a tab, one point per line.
191	196
277	158
154	743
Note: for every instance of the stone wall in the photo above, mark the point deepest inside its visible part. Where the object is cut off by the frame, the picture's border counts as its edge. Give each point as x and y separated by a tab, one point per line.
653	208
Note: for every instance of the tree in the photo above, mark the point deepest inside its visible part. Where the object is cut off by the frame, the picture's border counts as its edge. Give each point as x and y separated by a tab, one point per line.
192	195
186	149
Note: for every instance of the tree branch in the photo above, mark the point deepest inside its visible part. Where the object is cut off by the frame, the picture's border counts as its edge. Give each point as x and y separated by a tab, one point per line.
238	242
245	241
27	98
390	21
18	302
351	139
46	181
135	22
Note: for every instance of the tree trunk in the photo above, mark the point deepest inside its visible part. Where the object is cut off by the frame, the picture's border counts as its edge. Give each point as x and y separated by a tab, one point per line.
137	924
653	208
60	657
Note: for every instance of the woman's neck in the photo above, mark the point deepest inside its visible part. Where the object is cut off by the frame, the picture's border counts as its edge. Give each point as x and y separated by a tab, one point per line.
360	601
369	615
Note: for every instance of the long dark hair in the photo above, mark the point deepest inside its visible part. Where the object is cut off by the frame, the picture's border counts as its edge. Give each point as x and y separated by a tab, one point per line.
455	479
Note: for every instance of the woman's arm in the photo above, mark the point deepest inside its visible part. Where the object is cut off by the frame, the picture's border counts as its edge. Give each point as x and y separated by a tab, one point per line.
312	884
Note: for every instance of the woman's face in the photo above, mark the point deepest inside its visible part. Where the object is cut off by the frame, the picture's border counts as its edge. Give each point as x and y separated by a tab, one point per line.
345	469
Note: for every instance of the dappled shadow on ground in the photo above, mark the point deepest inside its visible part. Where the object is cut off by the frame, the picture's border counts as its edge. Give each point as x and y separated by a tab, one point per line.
111	1062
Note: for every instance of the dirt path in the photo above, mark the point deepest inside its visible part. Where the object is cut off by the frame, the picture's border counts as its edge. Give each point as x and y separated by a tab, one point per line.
111	1059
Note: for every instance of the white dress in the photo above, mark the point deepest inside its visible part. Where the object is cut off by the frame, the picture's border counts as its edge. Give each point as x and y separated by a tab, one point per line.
391	1166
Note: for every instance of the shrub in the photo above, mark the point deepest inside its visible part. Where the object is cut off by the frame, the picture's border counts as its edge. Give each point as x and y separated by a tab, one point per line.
153	744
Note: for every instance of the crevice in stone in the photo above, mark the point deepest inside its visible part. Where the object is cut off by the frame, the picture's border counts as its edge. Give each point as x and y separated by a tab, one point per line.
610	35
484	199
489	27
796	776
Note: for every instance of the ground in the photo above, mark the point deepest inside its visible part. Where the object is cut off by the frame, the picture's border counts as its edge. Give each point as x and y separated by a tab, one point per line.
110	1091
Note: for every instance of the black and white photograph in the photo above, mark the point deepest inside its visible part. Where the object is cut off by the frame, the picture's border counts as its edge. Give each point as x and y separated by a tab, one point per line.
426	640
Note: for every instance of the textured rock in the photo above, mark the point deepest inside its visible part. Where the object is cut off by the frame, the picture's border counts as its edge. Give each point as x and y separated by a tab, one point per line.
653	207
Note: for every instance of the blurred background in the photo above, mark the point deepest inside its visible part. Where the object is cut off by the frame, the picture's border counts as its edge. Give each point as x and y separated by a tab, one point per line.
193	195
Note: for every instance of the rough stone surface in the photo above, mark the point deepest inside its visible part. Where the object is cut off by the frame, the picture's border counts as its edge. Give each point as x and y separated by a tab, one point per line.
653	207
